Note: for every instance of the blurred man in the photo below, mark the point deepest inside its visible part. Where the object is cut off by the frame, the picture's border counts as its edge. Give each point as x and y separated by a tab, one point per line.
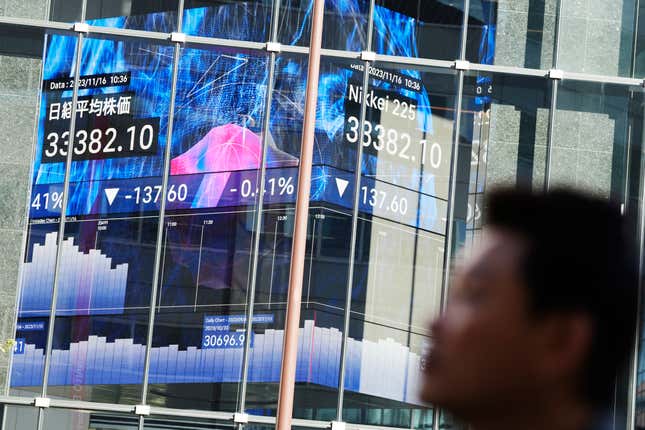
539	319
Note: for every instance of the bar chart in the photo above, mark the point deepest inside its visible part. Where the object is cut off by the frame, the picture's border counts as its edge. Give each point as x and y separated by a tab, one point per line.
88	283
380	368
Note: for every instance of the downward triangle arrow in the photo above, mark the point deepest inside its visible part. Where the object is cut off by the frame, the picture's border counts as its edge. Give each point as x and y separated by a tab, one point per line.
342	186
111	193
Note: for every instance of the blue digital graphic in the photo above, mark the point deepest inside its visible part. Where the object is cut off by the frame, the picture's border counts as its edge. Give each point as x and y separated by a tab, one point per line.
383	368
221	98
19	347
106	294
115	194
241	188
30	326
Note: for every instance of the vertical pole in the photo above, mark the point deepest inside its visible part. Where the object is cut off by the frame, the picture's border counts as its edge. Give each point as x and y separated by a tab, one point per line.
633	380
550	132
83	11
450	218
556	33
290	348
637	19
464	31
554	97
157	274
355	209
452	193
257	234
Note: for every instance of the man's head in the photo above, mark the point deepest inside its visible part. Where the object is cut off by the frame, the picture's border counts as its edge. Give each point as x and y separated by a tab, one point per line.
546	304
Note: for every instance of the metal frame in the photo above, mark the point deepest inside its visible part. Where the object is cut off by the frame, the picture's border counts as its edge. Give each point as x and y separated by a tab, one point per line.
203	42
555	83
258	213
61	230
156	275
358	171
450	218
636	347
271	50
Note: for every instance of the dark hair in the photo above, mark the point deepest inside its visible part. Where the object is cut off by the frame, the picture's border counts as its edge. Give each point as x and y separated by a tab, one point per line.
579	258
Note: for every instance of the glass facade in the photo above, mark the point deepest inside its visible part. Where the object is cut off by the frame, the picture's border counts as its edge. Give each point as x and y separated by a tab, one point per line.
150	170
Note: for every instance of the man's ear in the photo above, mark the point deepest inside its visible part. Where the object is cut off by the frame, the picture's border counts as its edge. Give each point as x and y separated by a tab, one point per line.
566	343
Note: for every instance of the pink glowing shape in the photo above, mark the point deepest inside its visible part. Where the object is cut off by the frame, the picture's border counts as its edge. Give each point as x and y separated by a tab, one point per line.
225	148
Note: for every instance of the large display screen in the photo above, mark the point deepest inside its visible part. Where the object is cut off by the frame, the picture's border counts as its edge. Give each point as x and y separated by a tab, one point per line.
115	192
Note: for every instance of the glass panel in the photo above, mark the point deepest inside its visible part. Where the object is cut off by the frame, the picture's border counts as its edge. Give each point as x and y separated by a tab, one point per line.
19	96
54	10
157	422
55	419
226	19
151	15
639	55
217	141
274	258
20	417
322	313
637	204
450	423
512	33
502	110
110	236
407	140
591	137
274	262
597	36
345	25
505	126
407	144
430	29
64	10
326	268
45	201
640	383
388	330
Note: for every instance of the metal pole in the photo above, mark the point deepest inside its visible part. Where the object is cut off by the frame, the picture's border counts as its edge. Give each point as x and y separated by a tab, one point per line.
157	276
631	407
464	31
635	38
355	209
453	167
83	10
451	193
556	34
257	234
61	226
290	348
554	98
550	133
450	218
